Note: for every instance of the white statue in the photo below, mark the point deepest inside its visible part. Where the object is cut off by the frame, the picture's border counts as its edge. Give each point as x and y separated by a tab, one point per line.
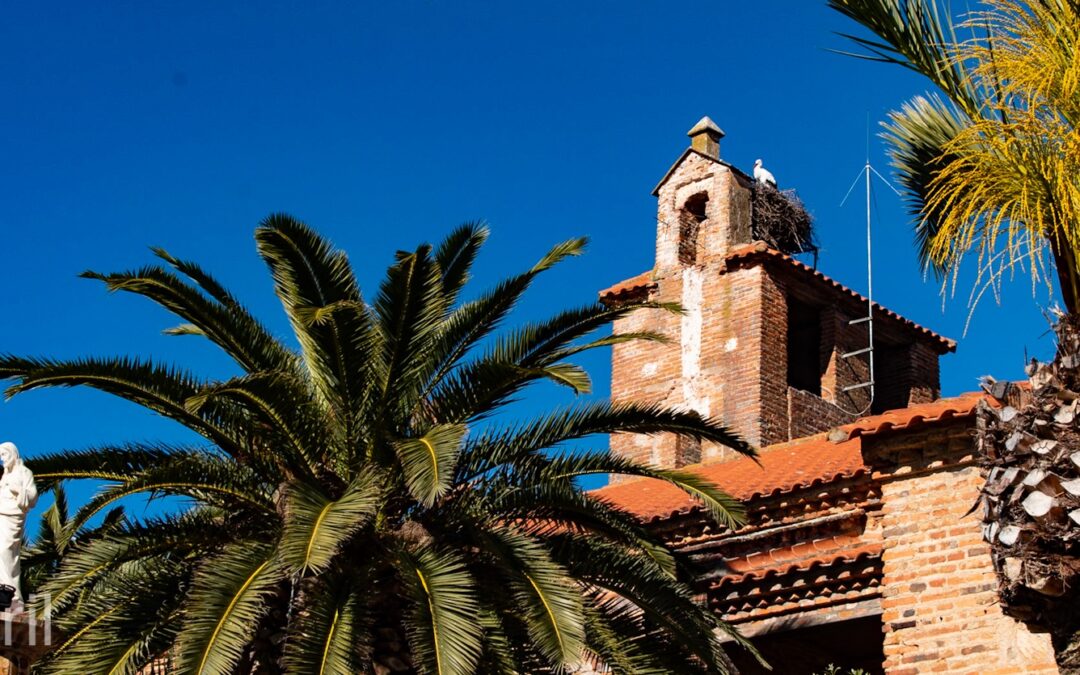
18	494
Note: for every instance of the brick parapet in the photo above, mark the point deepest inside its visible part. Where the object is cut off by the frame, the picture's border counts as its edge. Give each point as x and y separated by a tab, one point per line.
809	414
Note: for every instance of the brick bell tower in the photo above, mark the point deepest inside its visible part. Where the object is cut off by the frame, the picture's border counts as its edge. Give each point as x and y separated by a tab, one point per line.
762	339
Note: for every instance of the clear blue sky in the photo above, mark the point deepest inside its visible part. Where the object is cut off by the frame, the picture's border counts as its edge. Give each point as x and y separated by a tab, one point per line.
181	124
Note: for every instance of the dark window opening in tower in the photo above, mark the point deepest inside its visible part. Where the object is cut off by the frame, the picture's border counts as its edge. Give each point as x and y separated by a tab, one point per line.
690	218
804	347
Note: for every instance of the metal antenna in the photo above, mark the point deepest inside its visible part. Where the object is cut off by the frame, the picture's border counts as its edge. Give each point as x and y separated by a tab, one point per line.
865	173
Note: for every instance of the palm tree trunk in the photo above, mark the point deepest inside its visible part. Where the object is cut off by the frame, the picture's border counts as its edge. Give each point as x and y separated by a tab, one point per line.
1067	651
1068	274
1031	502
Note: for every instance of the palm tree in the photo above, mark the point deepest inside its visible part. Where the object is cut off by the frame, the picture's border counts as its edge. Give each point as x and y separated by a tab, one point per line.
358	505
993	168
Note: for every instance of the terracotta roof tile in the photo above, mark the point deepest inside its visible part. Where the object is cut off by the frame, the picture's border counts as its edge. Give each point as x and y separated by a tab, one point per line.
941	410
799	464
624	288
851	553
759	251
796	465
794	556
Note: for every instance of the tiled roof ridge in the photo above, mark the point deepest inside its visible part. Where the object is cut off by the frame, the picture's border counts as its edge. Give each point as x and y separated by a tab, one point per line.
623	288
941	410
793	553
846	556
760	249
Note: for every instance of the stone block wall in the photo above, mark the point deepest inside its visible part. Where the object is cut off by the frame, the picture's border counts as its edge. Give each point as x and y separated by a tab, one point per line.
939	592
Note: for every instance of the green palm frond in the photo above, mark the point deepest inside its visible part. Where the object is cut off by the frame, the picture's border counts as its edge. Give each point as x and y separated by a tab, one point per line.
627	643
992	176
722	507
640	581
535	471
499	655
228	598
543	343
310	274
470	323
107	549
55	519
161	389
205	478
331	629
914	34
569	375
918	135
280	400
410	307
497	446
316	526
123	625
547	597
429	461
455	256
443	631
523	357
110	462
229	326
544	507
16	366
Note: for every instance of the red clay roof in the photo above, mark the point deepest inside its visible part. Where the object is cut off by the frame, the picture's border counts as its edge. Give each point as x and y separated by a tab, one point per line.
641	281
799	555
834	550
917	415
799	464
759	250
786	467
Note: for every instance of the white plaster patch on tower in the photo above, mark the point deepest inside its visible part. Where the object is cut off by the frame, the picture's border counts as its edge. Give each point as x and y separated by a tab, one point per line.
649	369
692	297
731	345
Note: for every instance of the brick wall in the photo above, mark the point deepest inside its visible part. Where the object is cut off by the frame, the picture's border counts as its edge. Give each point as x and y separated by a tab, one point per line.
850	371
712	365
646	372
809	414
728	355
939	603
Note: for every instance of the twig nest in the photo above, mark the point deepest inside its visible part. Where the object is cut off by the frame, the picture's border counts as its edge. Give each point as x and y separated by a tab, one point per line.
780	220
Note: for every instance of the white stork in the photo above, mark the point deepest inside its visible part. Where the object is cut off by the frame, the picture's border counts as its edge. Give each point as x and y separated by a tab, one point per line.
763	175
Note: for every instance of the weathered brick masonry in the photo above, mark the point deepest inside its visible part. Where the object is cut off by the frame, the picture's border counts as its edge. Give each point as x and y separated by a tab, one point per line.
859	550
940	611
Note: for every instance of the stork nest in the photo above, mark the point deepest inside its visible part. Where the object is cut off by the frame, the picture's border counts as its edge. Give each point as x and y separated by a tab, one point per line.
780	220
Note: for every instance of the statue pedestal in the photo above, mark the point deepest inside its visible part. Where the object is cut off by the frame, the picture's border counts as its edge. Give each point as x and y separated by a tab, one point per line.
23	639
